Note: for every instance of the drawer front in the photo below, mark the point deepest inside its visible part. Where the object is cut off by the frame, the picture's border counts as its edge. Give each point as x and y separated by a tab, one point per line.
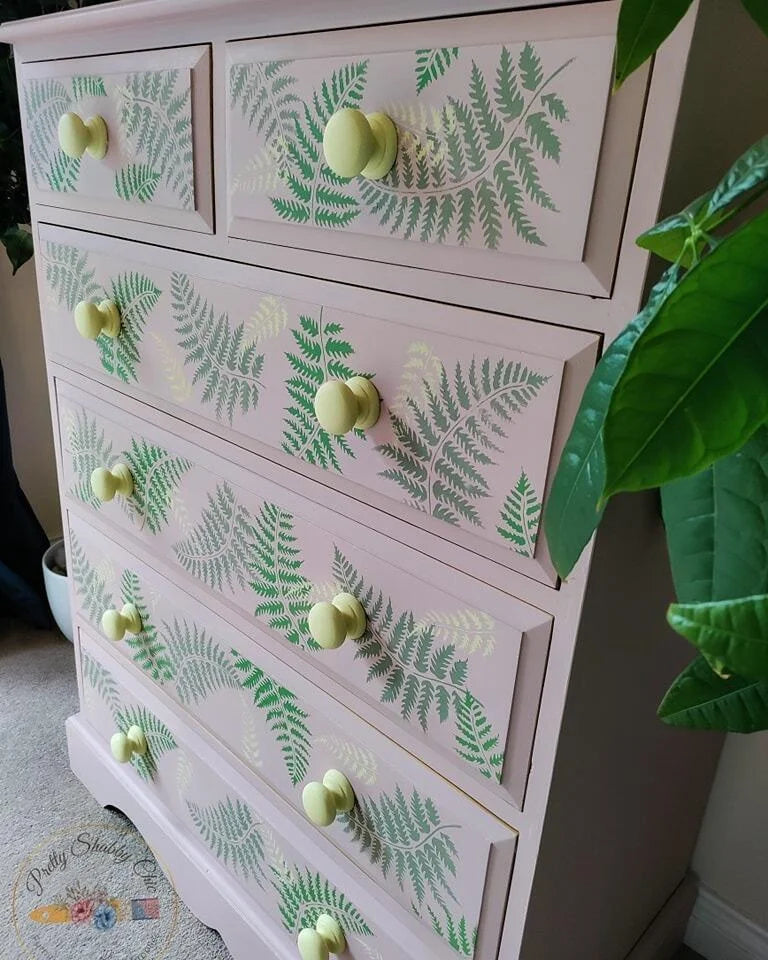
428	660
467	427
156	107
415	835
238	827
499	125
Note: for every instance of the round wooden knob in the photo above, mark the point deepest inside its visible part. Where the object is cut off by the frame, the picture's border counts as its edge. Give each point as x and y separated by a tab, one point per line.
358	143
116	623
105	483
91	319
127	745
325	939
322	801
332	623
78	136
341	407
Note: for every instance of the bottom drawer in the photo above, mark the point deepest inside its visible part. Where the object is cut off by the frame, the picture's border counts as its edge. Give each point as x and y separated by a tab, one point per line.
245	831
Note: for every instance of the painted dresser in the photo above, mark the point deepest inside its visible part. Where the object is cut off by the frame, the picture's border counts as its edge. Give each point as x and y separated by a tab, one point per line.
321	286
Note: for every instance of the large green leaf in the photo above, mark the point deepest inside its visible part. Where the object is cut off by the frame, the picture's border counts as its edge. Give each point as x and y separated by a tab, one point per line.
684	234
695	386
572	512
758	10
699	698
643	26
731	634
717	526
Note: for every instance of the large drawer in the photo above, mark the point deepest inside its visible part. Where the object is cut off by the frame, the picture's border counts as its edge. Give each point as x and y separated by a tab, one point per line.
427	845
435	644
156	109
474	406
511	162
292	881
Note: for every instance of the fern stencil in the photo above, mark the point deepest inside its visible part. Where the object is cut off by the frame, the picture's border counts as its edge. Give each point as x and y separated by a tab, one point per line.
455	931
519	520
473	631
225	362
440	460
160	740
488	170
156	474
286	720
268	320
418	675
356	760
265	94
405	835
304	895
231	830
476	741
157	121
200	666
432	64
88	448
88	85
282	588
136	182
44	103
316	194
147	648
218	549
68	274
101	680
90	587
322	355
136	296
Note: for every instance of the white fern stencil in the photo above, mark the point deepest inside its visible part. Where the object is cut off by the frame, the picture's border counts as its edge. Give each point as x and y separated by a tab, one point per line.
352	757
180	514
421	129
327	590
185	771
267	321
249	737
422	370
274	856
367	950
260	173
126	145
173	370
471	630
106	571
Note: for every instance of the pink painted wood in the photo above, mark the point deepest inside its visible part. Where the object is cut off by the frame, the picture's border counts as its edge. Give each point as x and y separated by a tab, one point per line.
467	431
429	661
289	733
500	121
162	176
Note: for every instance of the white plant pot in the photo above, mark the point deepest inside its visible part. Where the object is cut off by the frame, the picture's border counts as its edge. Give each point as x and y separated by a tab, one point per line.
57	587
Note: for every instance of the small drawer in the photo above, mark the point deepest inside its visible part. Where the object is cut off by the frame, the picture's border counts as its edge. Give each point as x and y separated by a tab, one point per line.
292	882
423	842
423	651
473	406
498	123
135	138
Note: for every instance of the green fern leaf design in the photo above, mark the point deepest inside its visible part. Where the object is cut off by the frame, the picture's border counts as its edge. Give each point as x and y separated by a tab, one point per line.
322	355
439	461
285	718
45	101
432	64
136	296
136	182
265	94
224	359
455	179
160	740
316	194
520	517
88	448
231	830
406	835
476	741
101	680
63	172
68	274
218	549
418	675
455	931
88	86
200	666
156	474
304	895
283	589
158	123
148	650
90	587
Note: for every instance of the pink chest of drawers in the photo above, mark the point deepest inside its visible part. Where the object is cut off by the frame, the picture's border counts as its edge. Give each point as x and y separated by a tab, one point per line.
305	426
